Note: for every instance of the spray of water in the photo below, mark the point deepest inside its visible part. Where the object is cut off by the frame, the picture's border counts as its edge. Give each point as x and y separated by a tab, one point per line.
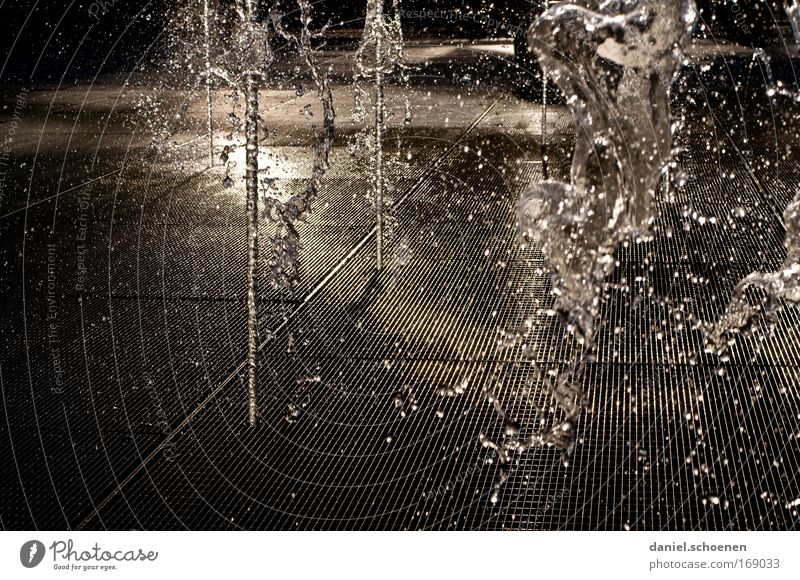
762	294
186	67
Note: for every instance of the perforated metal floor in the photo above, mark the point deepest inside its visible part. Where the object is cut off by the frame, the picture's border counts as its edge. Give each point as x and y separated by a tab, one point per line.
373	386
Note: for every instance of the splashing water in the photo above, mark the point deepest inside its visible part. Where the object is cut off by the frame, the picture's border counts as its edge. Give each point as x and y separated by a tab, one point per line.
616	61
784	285
616	65
513	443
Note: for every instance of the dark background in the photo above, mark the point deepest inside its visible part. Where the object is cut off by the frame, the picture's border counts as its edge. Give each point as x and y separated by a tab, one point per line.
57	41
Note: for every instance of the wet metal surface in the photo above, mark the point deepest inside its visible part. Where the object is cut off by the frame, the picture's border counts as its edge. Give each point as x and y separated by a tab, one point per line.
124	333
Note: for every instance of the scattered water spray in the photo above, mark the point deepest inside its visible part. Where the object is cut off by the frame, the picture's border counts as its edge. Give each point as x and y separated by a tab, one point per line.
762	294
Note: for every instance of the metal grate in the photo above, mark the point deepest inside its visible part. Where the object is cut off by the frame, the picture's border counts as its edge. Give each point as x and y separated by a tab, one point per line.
372	391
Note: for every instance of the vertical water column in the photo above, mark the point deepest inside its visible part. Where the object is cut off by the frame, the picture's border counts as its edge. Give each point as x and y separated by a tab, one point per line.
379	55
209	107
251	186
544	116
379	125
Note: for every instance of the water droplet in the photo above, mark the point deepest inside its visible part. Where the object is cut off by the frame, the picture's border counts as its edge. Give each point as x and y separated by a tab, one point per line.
511	428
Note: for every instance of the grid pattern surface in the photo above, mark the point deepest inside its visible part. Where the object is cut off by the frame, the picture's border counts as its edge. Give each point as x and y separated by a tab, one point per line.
374	391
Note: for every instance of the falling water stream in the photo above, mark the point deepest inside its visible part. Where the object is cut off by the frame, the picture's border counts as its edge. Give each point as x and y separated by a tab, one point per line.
244	67
284	257
380	53
208	74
